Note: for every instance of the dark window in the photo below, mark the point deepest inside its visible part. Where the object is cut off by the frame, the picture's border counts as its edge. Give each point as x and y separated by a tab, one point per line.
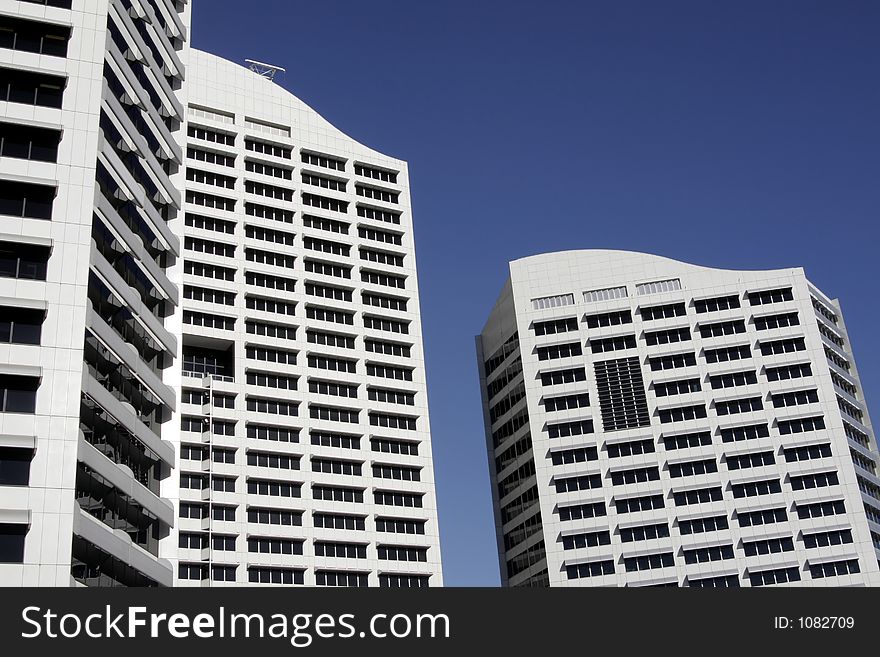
573	484
733	327
31	88
609	319
663	312
769	546
616	450
15	466
33	36
816	480
716	304
770	296
703	525
589	539
23	261
18	394
648	562
697	496
781	576
668	388
223	573
797	398
28	143
736	406
61	4
776	321
787	372
758	518
580	511
567	429
341	578
339	521
820	509
558	377
668	336
398	581
577	455
566	402
720	582
824	539
693	468
834	568
732	380
786	346
659	363
260	575
372	172
192	571
12	543
604	345
644	532
801	425
223	513
756	488
260	545
637	504
682	413
590	569
749	432
750	460
727	354
708	554
20	325
326	161
635	475
685	440
556	326
552	352
19	199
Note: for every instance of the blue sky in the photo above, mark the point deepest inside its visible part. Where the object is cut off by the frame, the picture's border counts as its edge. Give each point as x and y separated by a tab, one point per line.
741	134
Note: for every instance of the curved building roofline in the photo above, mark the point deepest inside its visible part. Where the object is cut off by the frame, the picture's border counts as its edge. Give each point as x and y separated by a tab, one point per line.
620	255
207	68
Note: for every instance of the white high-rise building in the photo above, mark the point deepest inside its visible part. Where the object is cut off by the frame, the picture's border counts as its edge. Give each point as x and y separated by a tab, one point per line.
655	423
90	116
303	435
211	367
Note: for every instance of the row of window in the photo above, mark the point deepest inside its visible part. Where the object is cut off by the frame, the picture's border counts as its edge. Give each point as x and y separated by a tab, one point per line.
285	152
291	576
272	488
663	311
288	546
756	578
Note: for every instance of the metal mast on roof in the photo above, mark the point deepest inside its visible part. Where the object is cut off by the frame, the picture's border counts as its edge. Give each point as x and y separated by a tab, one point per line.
267	71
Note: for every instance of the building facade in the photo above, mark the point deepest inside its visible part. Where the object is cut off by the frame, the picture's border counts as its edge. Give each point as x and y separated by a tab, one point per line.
655	423
302	429
210	347
90	157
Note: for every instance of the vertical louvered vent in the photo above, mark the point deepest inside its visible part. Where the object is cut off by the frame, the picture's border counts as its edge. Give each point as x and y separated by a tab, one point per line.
622	397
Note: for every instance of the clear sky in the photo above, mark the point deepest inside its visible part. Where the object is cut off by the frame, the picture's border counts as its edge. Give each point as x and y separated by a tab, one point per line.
741	134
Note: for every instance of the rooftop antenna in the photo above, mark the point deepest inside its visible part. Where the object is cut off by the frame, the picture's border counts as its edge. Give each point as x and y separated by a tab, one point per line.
267	71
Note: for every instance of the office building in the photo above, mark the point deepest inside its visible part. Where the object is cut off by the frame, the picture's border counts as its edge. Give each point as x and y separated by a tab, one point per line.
656	423
211	352
302	428
90	157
